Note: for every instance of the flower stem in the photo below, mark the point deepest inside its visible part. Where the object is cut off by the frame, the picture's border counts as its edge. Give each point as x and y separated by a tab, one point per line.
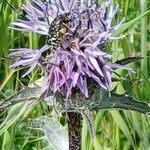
74	128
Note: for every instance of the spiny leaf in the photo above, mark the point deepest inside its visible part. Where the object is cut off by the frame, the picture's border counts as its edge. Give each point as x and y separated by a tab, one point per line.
25	94
54	133
120	102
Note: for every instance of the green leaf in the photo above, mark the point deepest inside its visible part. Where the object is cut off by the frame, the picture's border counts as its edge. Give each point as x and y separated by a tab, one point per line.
104	101
8	5
14	114
1	1
128	24
128	60
23	102
6	141
122	125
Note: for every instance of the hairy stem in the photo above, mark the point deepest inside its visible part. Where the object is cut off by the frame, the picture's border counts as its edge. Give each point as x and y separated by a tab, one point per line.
74	128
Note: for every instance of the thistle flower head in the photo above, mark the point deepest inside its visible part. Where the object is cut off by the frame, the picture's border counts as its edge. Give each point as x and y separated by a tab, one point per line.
79	57
40	14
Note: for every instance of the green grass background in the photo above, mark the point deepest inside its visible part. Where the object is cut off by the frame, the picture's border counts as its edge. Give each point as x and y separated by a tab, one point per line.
115	130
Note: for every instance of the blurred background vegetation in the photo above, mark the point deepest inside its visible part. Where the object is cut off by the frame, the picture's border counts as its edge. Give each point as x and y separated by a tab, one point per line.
115	129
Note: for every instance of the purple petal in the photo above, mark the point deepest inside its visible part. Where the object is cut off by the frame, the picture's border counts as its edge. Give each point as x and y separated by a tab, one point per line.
75	77
95	65
30	70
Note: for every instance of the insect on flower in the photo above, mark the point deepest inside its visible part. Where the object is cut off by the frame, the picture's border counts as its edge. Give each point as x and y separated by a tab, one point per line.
57	29
77	30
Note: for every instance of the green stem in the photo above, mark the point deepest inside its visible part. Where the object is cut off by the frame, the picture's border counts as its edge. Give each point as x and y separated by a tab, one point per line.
144	70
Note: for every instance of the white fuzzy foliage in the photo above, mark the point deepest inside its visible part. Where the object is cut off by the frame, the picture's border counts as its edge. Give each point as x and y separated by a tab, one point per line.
54	133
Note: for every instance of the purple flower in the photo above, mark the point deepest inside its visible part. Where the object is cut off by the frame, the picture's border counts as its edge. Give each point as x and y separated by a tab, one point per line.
80	56
27	57
40	14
